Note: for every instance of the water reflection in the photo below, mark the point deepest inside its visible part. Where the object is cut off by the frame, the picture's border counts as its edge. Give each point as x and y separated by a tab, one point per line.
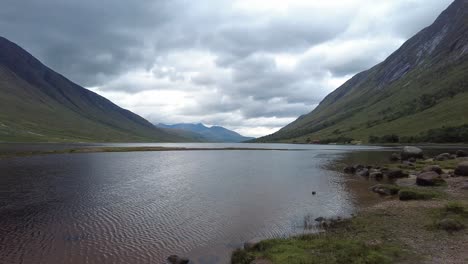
141	207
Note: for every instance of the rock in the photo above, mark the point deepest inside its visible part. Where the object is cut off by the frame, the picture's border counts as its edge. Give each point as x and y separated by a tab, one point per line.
412	160
385	189
450	224
443	156
395	157
411	152
395	173
320	219
429	178
358	167
314	193
408	163
363	172
461	153
174	259
252	243
464	186
462	169
376	175
453	156
350	170
434	168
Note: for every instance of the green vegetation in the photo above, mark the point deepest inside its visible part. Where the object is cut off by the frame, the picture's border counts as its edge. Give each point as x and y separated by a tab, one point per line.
39	105
406	194
453	217
439	135
425	104
359	240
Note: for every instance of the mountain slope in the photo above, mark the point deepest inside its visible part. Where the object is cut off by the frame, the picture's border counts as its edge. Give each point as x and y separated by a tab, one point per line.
38	104
211	134
421	87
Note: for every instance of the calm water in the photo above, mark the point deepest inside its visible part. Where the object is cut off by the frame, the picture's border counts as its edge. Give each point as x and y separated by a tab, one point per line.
140	207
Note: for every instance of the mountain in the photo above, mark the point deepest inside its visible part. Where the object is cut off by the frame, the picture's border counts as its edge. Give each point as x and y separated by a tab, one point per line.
418	94
211	134
40	105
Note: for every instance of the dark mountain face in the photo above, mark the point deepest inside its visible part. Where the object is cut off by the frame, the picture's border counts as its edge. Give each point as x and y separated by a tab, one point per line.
38	104
420	87
210	134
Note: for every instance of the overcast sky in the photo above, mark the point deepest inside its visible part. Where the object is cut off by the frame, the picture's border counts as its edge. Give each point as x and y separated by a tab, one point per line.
249	65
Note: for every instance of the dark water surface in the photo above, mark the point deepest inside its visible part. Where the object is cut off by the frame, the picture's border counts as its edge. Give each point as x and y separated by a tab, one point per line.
140	207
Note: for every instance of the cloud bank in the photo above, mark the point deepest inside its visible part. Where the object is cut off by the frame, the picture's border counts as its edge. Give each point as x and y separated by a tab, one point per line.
249	65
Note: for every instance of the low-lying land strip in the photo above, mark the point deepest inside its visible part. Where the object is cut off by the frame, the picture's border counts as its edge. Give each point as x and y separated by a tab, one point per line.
126	149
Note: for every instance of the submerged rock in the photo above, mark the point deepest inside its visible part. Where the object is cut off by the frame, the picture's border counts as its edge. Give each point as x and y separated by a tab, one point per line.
385	189
411	152
174	259
429	178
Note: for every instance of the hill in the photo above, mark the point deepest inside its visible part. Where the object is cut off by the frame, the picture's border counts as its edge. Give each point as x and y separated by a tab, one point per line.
210	134
418	94
40	105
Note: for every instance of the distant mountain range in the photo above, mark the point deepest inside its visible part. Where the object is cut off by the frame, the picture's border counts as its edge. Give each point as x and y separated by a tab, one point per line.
40	105
201	132
418	94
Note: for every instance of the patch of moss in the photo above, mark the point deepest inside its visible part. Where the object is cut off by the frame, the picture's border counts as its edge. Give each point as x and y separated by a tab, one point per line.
406	194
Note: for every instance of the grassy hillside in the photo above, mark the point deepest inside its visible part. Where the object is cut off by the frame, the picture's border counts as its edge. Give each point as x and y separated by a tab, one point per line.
421	87
39	105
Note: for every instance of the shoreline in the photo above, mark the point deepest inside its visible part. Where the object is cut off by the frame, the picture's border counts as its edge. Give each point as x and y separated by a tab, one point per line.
128	149
394	230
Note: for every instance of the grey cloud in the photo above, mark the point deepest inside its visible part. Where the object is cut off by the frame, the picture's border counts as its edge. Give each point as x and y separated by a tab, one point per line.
101	43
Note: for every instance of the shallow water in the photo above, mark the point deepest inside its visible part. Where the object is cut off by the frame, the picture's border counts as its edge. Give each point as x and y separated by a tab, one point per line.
140	207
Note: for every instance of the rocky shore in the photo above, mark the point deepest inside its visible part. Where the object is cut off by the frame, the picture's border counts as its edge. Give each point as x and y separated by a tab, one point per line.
421	218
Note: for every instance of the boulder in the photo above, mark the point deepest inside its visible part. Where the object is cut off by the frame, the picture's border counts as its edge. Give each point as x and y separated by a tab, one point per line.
350	170
395	174
450	224
412	160
462	169
411	152
464	186
461	153
453	156
395	157
363	172
376	174
408	163
442	157
383	189
429	178
252	243
434	168
174	259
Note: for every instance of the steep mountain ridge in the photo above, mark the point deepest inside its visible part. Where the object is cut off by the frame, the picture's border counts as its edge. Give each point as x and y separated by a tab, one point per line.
421	86
210	134
38	104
